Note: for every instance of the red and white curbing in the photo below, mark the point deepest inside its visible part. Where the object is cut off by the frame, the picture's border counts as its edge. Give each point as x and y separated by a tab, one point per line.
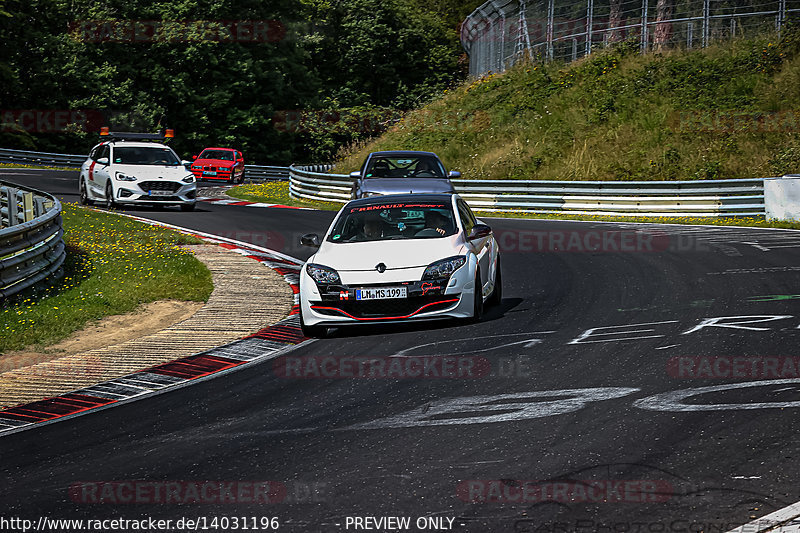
223	201
265	344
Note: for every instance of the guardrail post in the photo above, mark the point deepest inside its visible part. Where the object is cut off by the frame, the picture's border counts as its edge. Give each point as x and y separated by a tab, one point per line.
39	208
27	206
13	211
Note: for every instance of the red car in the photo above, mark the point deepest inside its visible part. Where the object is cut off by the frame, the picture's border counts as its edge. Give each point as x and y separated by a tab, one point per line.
219	164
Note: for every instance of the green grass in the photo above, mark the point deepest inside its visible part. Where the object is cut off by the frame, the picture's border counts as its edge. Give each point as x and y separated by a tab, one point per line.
113	265
618	115
45	167
277	192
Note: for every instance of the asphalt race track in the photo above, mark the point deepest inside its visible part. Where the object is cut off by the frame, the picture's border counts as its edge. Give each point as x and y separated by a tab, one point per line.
569	415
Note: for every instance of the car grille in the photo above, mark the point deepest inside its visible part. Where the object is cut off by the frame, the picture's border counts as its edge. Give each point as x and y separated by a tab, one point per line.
170	186
400	307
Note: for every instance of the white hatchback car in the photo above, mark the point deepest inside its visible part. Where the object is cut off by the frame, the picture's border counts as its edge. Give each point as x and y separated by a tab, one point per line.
127	169
399	258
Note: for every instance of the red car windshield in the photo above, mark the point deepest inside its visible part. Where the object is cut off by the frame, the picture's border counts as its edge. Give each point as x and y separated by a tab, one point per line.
225	155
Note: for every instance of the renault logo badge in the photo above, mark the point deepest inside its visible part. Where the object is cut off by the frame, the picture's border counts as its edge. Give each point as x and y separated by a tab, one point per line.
381	268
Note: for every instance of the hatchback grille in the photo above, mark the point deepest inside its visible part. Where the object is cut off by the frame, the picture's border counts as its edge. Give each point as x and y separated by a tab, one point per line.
170	186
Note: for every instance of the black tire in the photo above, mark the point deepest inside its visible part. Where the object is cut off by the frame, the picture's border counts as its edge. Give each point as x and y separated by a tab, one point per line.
188	207
241	177
477	308
84	194
109	202
497	293
313	332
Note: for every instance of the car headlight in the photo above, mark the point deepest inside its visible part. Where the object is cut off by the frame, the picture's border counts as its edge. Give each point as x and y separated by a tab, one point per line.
322	274
188	179
125	177
444	268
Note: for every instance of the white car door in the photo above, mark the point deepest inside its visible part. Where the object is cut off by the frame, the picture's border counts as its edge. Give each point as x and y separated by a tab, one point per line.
484	252
101	173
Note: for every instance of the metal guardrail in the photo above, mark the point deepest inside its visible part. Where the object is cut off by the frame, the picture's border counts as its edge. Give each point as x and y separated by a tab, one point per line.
31	237
41	158
266	173
706	198
252	172
741	197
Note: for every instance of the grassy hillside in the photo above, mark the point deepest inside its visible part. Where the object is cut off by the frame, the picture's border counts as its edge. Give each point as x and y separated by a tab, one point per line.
724	112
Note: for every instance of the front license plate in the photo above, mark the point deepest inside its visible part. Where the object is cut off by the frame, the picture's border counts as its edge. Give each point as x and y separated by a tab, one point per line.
209	173
160	193
382	293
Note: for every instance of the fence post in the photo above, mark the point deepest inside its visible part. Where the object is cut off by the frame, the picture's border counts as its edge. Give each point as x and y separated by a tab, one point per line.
550	31
644	26
503	41
689	33
706	22
589	17
781	15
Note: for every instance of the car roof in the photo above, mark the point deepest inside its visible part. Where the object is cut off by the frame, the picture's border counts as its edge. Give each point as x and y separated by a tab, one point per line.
217	148
398	198
400	153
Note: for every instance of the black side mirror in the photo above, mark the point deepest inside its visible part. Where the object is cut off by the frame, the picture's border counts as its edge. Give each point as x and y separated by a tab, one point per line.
479	231
310	239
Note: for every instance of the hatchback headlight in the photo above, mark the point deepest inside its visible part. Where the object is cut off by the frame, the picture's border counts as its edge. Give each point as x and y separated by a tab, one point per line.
125	177
188	179
323	275
444	268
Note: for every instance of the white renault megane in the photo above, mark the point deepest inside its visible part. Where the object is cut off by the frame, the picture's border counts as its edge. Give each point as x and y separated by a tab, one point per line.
399	258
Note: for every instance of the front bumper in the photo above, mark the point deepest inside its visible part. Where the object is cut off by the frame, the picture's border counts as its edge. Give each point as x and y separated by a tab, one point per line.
156	192
336	305
221	175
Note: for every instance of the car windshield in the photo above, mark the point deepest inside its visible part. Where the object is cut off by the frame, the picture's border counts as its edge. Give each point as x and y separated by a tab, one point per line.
404	167
394	221
225	155
141	155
